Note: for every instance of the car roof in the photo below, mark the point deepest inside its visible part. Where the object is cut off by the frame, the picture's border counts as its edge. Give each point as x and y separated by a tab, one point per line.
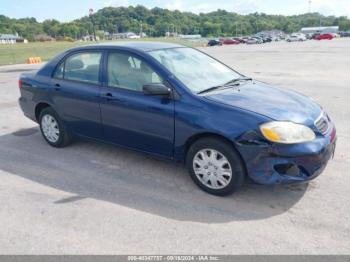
136	45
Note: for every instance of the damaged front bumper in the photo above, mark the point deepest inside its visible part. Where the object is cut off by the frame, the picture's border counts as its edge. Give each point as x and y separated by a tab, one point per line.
273	163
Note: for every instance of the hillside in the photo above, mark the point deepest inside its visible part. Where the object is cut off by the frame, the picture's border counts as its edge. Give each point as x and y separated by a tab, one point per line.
157	21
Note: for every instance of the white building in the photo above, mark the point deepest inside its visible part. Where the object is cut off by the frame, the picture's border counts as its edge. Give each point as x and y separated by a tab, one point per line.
8	39
130	35
320	29
190	36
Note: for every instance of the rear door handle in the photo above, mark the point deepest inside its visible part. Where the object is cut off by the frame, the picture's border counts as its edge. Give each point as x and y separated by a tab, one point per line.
57	87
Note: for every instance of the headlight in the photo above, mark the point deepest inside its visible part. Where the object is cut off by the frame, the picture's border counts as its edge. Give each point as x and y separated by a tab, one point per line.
286	132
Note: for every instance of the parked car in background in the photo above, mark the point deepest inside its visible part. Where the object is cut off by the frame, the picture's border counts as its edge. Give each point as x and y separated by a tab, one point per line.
254	40
275	38
301	36
214	42
345	34
259	38
245	38
296	37
324	37
292	38
180	104
251	41
229	41
240	39
314	35
309	36
266	39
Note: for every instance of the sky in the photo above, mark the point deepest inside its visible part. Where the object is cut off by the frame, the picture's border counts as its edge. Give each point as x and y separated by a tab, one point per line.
67	10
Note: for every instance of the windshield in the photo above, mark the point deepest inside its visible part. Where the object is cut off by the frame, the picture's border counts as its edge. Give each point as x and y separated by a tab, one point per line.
195	69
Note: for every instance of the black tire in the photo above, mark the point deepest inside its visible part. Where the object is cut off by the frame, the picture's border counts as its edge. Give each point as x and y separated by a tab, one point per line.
63	138
228	151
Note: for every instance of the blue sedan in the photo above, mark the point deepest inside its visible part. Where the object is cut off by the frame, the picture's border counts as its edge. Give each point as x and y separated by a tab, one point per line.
178	103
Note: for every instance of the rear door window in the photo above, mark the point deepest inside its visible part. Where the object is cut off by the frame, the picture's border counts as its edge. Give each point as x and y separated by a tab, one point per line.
83	67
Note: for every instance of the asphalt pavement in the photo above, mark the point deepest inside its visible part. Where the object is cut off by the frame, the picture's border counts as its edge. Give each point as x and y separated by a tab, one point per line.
92	198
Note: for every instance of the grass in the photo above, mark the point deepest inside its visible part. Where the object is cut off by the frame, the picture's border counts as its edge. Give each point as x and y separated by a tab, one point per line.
18	53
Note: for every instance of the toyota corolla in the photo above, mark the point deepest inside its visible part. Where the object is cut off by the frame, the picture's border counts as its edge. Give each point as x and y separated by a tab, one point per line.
178	103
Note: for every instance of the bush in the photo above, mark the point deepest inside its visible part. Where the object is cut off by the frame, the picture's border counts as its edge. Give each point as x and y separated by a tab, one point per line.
68	39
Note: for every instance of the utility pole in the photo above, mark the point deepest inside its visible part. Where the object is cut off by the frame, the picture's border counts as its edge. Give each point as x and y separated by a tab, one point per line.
141	29
140	23
91	12
309	6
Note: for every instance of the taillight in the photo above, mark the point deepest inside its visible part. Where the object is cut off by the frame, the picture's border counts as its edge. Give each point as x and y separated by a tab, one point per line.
20	83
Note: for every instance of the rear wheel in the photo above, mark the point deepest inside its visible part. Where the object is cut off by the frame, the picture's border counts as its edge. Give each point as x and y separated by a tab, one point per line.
53	129
215	166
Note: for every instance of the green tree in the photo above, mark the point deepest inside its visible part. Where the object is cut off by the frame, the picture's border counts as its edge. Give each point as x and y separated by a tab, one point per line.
159	21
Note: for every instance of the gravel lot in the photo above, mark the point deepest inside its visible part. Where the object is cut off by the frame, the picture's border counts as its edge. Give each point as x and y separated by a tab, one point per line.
93	198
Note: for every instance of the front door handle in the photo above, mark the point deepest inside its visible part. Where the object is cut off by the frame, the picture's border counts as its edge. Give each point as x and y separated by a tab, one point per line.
111	97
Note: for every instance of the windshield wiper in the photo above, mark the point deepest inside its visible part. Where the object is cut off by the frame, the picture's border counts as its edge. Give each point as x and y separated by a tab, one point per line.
231	82
209	89
236	80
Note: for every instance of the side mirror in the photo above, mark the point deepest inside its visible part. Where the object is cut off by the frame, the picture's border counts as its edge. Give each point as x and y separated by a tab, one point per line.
156	90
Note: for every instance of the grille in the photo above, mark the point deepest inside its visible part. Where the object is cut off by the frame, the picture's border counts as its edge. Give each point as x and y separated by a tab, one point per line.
322	123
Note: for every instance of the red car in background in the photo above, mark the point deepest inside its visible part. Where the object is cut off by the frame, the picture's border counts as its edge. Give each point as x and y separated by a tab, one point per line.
229	41
324	36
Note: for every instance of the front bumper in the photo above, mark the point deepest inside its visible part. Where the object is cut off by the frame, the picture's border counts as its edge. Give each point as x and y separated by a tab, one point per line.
272	163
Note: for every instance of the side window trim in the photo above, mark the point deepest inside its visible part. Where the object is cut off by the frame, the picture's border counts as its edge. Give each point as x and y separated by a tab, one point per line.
64	59
61	62
133	56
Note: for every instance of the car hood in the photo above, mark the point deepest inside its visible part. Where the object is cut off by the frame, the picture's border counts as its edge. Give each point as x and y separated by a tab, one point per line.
276	103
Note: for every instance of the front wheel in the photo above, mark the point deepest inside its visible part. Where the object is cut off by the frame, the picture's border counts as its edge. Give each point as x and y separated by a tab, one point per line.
215	166
53	129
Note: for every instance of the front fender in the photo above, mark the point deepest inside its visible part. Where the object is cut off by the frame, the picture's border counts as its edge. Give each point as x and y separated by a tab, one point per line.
197	116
